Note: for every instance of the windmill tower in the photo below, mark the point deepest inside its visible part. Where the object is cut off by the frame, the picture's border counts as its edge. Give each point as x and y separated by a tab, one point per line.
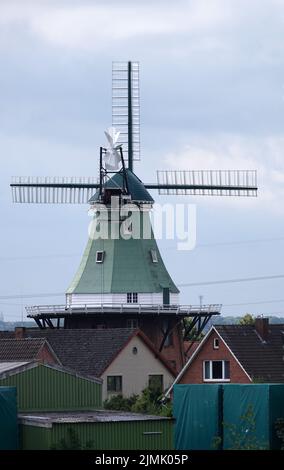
122	280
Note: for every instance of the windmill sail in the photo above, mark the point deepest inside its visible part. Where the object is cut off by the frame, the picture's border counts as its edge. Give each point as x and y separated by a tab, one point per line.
53	190
126	108
207	182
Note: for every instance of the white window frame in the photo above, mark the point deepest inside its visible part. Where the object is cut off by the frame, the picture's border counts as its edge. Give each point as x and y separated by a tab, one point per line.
216	343
132	298
211	371
102	253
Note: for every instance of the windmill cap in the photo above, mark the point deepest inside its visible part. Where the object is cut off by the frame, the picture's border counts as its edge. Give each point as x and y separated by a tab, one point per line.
137	191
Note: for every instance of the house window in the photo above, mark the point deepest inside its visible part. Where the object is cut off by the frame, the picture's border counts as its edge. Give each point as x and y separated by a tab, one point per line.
215	343
156	383
100	256
132	323
114	383
216	370
132	298
154	256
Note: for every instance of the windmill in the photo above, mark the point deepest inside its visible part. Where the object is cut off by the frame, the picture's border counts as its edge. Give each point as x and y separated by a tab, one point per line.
124	282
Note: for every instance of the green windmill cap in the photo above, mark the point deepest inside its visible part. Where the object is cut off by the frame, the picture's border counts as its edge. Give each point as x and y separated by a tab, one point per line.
136	188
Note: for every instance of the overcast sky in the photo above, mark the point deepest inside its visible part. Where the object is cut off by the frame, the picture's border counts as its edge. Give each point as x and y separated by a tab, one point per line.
212	96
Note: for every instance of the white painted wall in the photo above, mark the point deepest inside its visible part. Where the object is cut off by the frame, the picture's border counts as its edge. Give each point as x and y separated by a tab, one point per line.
135	369
143	299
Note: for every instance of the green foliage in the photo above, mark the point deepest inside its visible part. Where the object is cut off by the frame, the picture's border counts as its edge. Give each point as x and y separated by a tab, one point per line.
149	402
247	319
72	442
192	335
119	403
279	425
216	443
243	437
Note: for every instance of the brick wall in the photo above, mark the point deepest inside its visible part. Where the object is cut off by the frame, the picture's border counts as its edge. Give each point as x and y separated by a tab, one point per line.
194	373
46	357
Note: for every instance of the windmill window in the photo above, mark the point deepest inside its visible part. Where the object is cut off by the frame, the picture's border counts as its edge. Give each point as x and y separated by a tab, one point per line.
154	256
128	228
132	298
100	256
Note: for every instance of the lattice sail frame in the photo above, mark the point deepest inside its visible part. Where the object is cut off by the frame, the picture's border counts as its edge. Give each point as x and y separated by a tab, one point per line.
53	190
126	106
207	182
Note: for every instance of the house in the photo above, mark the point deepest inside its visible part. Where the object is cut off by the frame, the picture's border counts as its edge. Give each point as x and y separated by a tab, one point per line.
124	358
27	349
237	354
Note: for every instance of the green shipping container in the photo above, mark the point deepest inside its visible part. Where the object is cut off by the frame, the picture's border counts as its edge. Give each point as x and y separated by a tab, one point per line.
250	412
8	419
198	414
48	388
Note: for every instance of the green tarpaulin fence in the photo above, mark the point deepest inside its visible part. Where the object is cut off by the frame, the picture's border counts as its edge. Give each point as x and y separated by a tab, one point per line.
228	416
197	410
250	412
8	419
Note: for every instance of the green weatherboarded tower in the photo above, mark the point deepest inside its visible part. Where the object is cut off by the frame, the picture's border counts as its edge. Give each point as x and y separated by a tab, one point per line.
122	280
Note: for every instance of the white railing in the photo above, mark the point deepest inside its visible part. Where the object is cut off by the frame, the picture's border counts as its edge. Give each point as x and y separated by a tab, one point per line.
121	308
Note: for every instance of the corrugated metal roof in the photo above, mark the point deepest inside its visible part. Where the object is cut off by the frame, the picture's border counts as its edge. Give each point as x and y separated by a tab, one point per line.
7	366
100	416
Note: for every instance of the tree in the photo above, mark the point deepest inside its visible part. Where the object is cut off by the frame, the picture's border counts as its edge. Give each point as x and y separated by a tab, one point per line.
242	436
247	319
192	335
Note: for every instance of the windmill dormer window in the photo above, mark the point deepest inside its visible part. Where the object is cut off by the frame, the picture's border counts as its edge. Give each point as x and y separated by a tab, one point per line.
132	297
154	256
100	256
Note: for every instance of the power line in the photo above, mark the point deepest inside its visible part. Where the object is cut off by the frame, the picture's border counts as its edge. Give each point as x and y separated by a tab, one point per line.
239	242
230	281
255	303
35	257
199	245
29	296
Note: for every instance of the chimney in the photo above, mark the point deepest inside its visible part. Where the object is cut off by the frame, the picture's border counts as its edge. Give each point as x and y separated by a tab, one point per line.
20	332
262	327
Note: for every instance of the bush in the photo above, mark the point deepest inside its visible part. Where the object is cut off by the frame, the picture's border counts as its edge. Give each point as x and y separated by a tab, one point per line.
147	403
119	403
71	442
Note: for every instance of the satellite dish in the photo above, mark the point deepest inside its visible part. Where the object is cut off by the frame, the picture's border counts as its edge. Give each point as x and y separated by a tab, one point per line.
112	156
